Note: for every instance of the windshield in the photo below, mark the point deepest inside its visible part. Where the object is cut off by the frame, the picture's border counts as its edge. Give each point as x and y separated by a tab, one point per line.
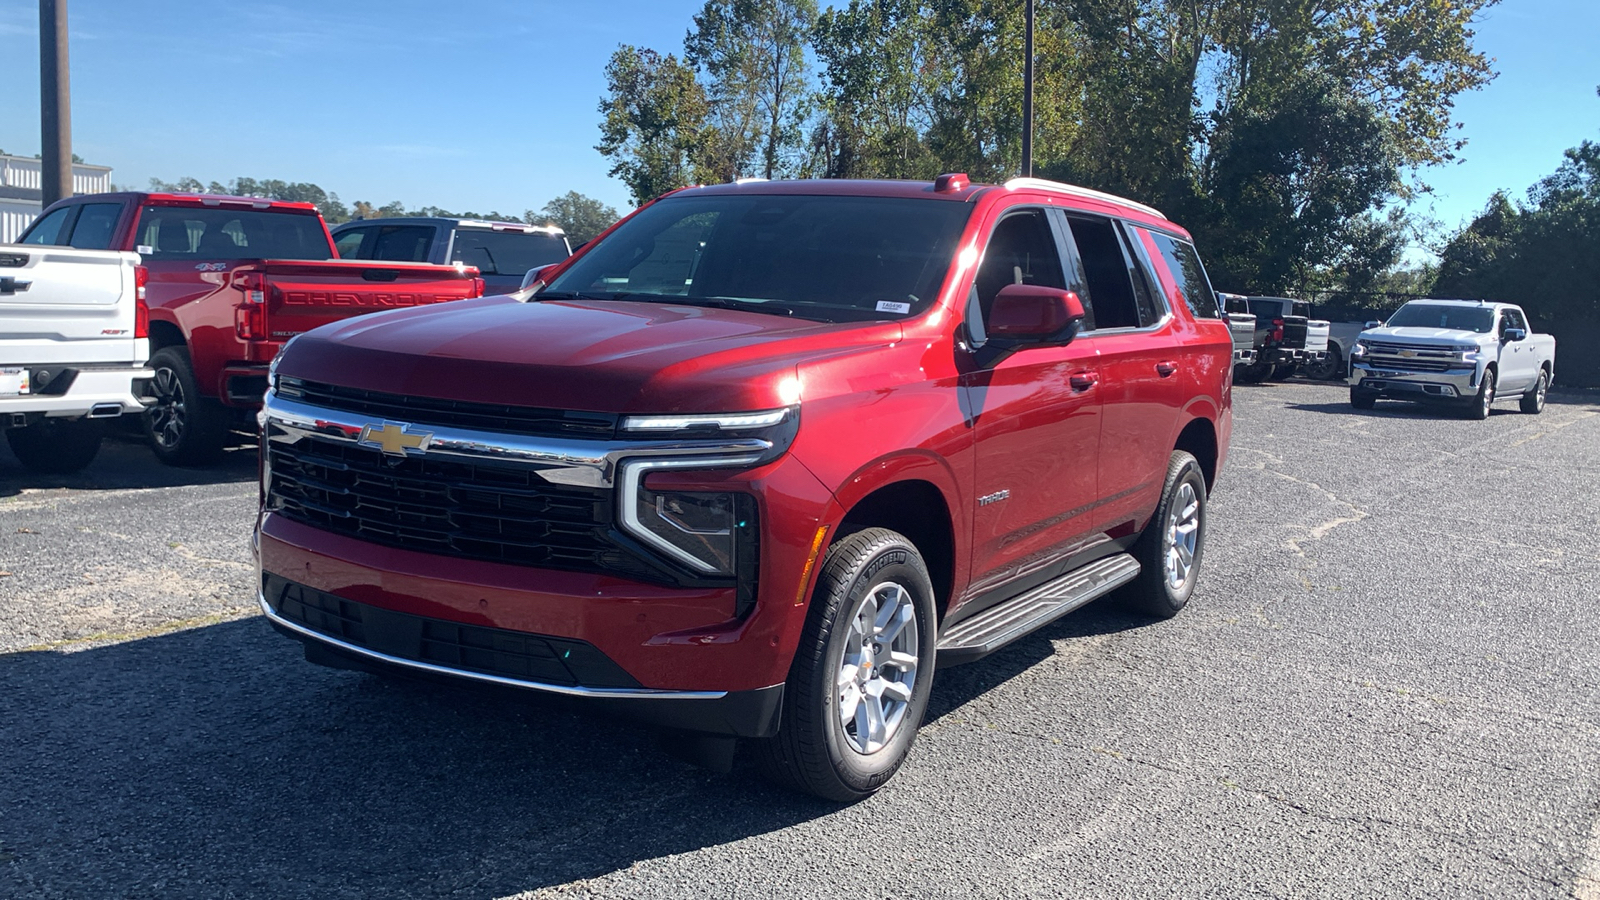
507	252
1438	315
815	257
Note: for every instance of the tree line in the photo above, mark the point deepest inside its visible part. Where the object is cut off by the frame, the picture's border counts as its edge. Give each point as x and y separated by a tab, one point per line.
1284	133
581	217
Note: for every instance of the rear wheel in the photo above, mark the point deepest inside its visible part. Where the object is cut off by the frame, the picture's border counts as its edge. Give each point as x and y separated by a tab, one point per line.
1254	373
1327	368
1533	400
1478	407
1169	551
183	427
1284	371
861	677
56	446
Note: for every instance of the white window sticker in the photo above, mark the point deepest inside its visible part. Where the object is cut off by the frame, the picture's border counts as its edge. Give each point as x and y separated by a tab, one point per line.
891	306
144	249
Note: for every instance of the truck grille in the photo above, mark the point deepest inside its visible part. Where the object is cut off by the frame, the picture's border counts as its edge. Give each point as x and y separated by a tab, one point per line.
453	645
1411	357
500	513
478	416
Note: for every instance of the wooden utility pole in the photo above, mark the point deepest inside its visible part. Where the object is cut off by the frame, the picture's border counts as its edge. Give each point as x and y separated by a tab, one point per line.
1027	94
55	103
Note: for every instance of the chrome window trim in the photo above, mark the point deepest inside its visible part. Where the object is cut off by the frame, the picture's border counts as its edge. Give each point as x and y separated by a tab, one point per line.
567	690
575	462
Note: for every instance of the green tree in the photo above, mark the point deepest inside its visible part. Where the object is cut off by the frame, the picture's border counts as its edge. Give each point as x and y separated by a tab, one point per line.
654	114
580	217
757	82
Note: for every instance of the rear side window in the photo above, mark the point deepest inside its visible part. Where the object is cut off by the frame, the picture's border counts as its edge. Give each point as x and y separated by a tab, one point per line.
1194	288
400	243
507	252
95	223
178	232
47	230
1115	293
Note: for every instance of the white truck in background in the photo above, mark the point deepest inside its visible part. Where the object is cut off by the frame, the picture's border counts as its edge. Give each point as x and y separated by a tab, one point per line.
73	347
1463	352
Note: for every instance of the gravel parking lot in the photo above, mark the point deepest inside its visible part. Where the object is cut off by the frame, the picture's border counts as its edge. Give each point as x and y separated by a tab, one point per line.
1386	685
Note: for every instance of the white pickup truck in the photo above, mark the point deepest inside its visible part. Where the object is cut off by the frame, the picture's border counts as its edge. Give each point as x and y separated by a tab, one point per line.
1465	352
73	346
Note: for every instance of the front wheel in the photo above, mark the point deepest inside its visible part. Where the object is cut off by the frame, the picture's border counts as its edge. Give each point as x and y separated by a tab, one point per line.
56	446
1478	407
1533	400
1170	548
1362	399
860	680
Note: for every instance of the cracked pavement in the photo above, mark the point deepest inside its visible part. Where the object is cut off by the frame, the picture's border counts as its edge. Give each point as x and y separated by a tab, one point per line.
1386	685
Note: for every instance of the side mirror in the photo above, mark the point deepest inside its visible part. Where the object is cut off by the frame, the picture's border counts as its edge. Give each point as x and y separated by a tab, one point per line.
533	275
1029	315
1032	312
1372	324
1513	335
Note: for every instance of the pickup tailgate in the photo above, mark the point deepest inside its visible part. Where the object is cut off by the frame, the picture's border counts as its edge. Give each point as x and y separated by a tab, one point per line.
1317	331
61	305
1294	333
280	299
1243	328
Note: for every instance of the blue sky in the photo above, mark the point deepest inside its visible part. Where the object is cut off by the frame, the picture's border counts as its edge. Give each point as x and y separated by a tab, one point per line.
492	103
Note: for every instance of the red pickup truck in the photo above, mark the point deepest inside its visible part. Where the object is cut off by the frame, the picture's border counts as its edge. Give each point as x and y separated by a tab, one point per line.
230	280
757	460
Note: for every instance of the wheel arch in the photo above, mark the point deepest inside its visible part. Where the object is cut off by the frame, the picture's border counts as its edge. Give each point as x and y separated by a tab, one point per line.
1199	439
165	333
919	510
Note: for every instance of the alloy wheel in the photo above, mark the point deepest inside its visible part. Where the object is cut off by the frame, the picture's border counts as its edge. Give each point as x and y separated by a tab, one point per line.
878	671
168	413
1183	535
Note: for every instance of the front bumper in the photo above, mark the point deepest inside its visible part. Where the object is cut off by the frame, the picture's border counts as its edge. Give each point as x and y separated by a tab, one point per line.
343	634
1397	383
93	390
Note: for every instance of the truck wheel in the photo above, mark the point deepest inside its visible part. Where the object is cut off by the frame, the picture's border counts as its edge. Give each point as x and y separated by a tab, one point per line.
56	446
1284	371
1533	400
1170	548
1254	373
861	677
1329	367
1362	399
184	428
1478	407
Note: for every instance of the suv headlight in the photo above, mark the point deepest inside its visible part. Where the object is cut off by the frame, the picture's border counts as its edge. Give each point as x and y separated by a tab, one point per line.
711	532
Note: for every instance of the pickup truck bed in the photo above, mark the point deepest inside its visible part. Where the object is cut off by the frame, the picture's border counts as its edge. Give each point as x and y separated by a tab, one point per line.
72	349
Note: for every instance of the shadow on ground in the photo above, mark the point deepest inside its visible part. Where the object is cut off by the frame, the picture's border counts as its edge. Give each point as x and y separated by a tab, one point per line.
216	762
124	463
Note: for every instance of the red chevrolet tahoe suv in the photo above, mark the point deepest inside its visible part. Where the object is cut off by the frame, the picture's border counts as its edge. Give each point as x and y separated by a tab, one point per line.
229	280
759	458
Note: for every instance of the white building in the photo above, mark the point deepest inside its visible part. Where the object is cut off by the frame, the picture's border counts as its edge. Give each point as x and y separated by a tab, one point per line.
20	193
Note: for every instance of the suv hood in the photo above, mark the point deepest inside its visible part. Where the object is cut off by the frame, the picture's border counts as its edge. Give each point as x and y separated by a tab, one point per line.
606	356
1411	334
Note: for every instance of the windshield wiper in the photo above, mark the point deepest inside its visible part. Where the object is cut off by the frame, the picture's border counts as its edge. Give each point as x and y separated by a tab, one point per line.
776	309
571	295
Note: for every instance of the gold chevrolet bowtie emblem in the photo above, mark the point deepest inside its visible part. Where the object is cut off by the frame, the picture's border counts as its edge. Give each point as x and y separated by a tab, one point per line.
393	438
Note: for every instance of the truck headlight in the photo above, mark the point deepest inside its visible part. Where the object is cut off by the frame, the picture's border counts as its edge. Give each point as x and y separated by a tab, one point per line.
1466	352
1359	350
709	532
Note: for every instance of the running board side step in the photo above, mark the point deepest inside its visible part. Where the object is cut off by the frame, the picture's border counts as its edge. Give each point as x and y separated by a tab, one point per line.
1025	613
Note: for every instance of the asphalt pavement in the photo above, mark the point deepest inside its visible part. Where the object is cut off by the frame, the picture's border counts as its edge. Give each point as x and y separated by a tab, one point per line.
1387	684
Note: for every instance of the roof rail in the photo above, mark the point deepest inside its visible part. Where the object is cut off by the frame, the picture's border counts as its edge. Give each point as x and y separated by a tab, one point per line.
1046	185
